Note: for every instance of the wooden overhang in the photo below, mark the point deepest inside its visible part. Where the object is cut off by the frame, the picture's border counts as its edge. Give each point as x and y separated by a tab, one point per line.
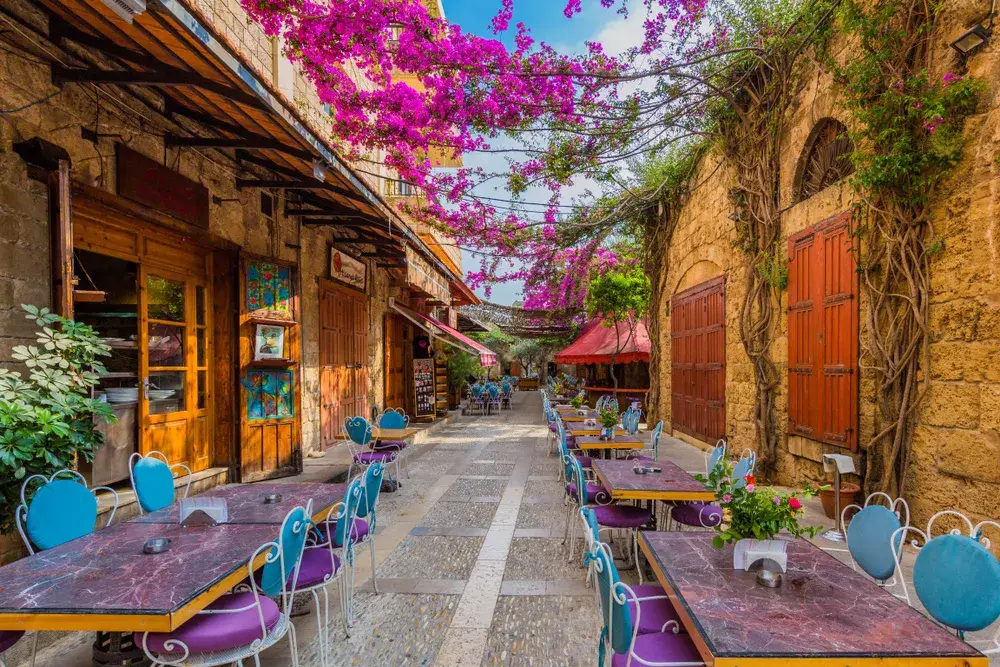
217	102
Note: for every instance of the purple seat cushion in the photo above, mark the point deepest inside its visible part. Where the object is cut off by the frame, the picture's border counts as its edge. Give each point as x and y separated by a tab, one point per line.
390	446
316	567
585	461
654	612
8	638
595	492
358	531
697	514
372	457
218	632
621	516
662	647
554	428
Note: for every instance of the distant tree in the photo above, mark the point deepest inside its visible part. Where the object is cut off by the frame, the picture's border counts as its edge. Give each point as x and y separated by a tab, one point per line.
528	351
620	297
499	342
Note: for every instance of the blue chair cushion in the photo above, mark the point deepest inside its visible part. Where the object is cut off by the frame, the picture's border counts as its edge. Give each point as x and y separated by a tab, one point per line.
392	419
358	430
868	539
60	511
957	579
154	484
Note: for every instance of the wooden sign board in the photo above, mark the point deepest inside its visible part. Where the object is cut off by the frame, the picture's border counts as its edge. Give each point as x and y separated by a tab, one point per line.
151	184
348	270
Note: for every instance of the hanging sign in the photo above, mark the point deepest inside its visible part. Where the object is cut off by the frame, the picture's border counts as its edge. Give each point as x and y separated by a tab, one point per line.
348	270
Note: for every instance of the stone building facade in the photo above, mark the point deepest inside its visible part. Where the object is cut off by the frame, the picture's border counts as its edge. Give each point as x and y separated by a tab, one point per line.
957	439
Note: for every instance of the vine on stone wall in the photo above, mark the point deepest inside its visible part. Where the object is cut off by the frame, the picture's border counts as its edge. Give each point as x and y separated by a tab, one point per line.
907	130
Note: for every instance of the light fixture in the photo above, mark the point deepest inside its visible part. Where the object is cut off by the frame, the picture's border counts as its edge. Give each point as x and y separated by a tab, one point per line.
127	9
971	40
319	170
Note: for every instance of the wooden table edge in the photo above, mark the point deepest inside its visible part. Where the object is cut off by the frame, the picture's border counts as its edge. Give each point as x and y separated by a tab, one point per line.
784	661
665	496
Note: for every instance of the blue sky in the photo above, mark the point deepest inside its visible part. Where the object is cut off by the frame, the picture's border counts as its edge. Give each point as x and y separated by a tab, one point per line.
547	23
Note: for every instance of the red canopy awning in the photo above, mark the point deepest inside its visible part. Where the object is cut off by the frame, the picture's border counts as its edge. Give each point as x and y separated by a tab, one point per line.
597	343
487	357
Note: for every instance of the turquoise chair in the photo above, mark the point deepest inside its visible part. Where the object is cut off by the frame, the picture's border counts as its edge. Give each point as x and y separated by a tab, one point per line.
60	510
621	612
240	625
654	450
956	578
358	435
152	479
874	538
366	514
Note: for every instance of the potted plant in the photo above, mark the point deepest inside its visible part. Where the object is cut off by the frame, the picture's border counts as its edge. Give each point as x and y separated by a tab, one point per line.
49	420
577	402
755	513
609	420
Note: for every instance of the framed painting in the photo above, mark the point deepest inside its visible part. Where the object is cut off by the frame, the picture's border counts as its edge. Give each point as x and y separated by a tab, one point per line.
269	342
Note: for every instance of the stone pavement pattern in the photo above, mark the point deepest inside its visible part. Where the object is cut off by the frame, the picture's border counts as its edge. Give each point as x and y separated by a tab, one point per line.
470	564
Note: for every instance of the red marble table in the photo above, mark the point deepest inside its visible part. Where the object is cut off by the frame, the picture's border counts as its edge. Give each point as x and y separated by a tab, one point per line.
246	502
824	614
574	417
671	484
620	441
104	582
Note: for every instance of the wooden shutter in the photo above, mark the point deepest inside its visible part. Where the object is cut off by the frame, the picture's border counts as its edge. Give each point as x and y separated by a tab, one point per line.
698	364
823	334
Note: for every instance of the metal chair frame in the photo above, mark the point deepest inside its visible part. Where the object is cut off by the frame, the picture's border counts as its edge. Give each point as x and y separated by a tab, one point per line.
356	448
901	509
136	456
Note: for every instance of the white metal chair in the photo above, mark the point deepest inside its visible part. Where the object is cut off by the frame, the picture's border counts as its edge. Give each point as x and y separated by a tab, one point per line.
152	479
874	539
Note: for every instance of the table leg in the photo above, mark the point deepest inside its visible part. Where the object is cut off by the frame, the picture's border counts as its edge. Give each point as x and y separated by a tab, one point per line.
119	649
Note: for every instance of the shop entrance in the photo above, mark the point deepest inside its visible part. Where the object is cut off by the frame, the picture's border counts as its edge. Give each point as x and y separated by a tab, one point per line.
343	355
147	295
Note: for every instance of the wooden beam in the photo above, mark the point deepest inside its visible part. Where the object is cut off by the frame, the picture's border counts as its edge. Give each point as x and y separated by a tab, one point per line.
283	184
61	229
244	141
291	173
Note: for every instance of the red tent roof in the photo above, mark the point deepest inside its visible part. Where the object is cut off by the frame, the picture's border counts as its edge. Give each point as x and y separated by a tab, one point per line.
597	343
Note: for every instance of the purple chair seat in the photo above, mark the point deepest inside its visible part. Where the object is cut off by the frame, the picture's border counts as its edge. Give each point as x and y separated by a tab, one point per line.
585	461
654	612
218	632
8	638
358	531
663	647
368	458
317	568
553	427
697	514
621	516
595	492
389	446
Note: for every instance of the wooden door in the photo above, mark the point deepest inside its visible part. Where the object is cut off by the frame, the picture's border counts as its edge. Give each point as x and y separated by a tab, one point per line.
343	353
698	368
823	334
175	363
397	342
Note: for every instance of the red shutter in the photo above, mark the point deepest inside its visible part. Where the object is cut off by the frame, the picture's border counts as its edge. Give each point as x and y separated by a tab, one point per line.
698	364
823	334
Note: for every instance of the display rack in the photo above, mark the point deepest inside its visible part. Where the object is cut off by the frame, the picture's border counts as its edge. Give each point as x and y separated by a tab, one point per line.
441	385
423	387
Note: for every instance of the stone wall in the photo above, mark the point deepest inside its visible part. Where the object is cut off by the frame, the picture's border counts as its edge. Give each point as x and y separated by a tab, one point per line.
957	440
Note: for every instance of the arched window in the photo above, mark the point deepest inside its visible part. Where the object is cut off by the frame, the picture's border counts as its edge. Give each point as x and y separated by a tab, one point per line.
826	158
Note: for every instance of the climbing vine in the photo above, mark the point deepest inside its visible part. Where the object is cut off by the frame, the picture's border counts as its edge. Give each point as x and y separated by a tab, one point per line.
906	126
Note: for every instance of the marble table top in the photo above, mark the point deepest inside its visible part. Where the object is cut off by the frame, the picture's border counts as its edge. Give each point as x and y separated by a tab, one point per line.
574	416
103	581
671	483
620	441
246	502
822	610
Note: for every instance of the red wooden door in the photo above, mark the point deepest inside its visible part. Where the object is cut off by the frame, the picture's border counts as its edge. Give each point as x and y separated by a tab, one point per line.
343	352
823	334
698	368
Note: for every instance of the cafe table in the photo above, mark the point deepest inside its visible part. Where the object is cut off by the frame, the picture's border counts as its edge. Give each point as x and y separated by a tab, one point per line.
104	582
387	433
594	445
823	615
670	484
575	416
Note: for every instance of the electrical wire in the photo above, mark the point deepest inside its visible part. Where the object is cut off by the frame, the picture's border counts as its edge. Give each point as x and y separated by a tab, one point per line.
4	112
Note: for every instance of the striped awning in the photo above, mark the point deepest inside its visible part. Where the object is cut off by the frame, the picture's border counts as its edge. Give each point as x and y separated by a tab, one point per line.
453	337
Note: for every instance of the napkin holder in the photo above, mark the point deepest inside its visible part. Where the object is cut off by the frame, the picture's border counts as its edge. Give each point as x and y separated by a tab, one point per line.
769	554
203	512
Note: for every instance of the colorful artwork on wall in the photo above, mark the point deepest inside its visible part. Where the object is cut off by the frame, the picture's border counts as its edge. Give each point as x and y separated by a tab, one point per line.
270	394
269	290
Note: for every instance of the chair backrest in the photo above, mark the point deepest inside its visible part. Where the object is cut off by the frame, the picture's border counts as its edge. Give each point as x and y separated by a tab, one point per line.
282	564
393	418
655	439
956	577
352	501
716	456
612	404
372	489
506	387
61	509
615	610
742	468
494	391
477	390
580	479
874	540
358	431
152	481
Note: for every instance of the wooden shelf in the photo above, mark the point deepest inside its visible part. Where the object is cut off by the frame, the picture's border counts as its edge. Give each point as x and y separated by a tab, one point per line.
271	320
272	363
